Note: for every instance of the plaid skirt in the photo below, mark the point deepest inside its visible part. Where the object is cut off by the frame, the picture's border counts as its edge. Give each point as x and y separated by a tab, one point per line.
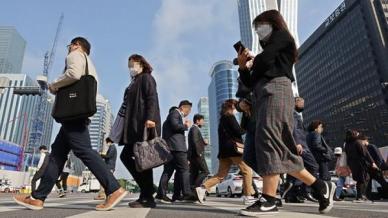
274	143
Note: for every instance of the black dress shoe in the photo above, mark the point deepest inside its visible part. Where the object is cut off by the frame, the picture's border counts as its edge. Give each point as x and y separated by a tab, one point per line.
177	198
338	199
294	200
189	199
142	204
163	199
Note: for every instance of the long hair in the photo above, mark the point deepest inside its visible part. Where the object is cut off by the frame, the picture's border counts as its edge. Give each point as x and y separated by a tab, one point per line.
228	105
144	63
278	23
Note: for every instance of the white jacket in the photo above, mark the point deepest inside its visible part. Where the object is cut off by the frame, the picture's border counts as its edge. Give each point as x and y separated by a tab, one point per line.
75	68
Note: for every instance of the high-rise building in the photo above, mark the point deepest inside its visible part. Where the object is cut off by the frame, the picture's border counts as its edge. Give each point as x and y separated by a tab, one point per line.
17	114
249	9
203	109
99	128
223	86
343	72
12	47
45	130
101	122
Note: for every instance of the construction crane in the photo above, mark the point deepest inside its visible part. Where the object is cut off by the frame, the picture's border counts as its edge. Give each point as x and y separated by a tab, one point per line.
43	109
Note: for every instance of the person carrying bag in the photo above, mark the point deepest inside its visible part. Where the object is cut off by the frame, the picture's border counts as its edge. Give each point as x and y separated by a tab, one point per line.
78	100
152	153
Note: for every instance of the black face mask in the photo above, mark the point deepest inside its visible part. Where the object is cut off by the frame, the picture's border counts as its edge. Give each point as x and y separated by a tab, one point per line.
200	126
299	110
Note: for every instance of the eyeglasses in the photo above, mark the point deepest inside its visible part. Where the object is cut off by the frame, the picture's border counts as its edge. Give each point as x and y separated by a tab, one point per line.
69	45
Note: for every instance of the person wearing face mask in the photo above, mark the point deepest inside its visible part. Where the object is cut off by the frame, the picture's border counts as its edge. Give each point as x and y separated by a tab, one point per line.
139	110
174	133
270	76
198	166
294	190
229	133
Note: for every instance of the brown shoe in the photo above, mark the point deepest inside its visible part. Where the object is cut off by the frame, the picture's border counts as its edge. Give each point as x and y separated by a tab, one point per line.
98	198
27	201
112	200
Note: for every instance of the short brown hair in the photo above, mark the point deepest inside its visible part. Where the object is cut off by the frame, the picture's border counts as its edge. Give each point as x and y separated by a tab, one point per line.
314	125
144	63
227	105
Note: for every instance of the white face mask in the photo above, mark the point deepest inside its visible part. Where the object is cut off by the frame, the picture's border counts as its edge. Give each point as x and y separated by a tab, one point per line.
263	31
133	72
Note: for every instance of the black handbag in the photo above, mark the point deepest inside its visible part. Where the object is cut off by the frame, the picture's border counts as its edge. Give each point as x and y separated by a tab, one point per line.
76	101
152	153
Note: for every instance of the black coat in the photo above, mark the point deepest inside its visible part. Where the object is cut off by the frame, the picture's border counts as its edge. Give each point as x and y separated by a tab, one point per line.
110	157
142	105
359	160
174	131
318	146
276	60
377	157
196	143
299	132
229	132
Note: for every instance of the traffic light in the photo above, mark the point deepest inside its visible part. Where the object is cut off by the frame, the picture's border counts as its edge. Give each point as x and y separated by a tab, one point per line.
33	90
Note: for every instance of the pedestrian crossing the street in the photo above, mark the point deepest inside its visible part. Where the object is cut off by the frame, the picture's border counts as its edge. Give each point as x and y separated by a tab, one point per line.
82	206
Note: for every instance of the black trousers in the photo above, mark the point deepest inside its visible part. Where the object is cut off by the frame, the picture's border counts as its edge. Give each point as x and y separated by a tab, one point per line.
74	136
168	170
62	181
324	170
37	176
361	189
180	164
144	179
311	166
198	171
379	177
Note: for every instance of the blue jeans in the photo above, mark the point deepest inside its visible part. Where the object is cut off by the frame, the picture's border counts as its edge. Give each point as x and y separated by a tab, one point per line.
340	185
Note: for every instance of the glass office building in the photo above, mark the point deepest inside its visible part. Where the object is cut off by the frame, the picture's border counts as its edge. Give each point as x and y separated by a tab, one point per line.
223	86
12	47
203	109
343	71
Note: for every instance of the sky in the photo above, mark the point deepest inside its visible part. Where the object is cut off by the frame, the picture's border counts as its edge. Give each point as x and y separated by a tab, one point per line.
180	38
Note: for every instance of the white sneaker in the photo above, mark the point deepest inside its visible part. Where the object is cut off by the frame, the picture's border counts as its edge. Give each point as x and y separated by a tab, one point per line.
248	200
201	193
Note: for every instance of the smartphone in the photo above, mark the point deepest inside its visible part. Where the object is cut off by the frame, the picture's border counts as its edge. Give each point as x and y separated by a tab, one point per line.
238	45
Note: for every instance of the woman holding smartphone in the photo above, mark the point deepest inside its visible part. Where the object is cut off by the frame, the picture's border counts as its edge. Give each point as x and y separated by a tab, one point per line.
270	75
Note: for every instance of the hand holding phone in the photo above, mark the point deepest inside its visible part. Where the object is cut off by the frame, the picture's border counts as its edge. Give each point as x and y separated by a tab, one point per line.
238	46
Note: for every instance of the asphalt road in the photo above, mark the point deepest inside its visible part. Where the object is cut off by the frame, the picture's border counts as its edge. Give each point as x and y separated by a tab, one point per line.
82	205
